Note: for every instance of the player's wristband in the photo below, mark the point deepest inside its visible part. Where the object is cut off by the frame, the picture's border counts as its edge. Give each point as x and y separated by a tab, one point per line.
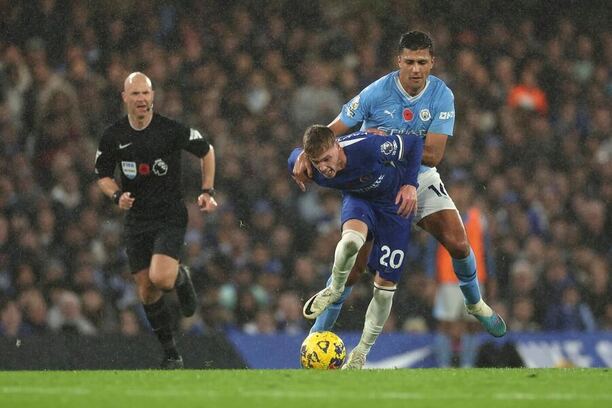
210	191
116	196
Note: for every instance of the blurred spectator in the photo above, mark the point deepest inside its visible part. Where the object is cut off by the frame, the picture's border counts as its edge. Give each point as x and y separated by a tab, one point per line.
570	314
527	94
11	323
34	309
263	323
66	315
533	134
523	316
288	314
128	323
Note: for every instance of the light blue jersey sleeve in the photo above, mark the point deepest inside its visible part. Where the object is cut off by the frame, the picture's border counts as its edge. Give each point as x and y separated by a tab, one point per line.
443	121
359	108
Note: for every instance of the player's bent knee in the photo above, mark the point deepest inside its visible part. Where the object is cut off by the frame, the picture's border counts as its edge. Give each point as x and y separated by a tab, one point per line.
161	280
458	247
351	242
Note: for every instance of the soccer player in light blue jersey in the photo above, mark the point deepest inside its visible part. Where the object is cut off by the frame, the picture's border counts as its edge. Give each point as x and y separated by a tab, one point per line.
370	171
410	101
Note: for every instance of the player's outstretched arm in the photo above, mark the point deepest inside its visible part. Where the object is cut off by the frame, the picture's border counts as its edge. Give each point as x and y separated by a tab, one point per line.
302	171
407	199
407	195
338	127
433	149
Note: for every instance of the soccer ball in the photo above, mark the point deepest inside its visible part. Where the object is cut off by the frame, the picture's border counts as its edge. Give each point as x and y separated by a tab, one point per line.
322	351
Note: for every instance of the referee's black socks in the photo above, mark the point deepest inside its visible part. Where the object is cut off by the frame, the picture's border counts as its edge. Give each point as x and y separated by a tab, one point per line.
161	322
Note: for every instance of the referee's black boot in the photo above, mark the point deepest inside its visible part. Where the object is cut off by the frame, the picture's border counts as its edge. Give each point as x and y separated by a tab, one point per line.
185	291
172	363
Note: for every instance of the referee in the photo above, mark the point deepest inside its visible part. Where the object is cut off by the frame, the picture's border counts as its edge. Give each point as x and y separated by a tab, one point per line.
147	147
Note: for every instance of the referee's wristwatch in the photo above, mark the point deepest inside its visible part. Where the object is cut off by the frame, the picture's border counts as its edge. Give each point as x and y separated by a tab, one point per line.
210	191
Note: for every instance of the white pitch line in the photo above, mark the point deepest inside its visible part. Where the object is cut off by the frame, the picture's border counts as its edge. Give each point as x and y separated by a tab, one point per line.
43	390
313	395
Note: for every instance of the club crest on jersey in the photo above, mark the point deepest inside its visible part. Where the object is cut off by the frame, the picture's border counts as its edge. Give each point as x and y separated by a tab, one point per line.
407	114
352	108
388	148
129	169
160	168
425	115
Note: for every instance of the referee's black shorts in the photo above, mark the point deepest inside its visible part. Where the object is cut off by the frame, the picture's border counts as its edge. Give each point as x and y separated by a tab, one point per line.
165	237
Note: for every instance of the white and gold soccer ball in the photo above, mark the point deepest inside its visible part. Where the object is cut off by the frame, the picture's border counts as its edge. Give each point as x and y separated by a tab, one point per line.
322	351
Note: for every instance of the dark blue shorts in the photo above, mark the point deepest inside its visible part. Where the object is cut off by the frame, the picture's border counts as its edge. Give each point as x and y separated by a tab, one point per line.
390	232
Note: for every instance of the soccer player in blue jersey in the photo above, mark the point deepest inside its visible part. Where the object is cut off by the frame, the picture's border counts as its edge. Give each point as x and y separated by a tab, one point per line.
378	179
410	101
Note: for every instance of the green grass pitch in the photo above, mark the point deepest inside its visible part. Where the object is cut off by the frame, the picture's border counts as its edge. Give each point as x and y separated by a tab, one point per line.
471	388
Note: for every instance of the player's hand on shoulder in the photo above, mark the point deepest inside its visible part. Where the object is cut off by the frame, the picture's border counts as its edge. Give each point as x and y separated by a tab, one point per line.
377	132
302	171
407	200
207	203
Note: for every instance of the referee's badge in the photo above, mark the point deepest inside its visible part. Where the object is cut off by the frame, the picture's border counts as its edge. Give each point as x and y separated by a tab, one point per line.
129	169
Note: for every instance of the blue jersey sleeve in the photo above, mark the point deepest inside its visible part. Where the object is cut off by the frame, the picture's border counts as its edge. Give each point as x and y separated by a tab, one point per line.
412	155
293	158
443	120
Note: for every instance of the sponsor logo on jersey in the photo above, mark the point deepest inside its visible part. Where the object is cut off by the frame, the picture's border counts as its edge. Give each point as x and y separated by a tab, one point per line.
123	146
407	114
447	115
160	168
352	108
390	113
144	169
129	169
425	115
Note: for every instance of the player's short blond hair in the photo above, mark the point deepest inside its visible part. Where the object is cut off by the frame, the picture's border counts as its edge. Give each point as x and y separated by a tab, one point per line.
317	139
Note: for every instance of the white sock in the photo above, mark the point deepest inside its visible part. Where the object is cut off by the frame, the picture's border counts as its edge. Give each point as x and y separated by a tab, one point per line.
480	308
345	256
376	316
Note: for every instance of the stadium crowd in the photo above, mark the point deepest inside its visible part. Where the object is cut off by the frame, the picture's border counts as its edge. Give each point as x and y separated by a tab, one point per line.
532	134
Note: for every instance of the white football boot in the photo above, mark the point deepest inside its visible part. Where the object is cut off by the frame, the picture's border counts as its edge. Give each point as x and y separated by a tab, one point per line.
319	302
355	361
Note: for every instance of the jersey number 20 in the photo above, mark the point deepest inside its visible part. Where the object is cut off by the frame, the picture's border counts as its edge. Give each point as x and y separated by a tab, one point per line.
394	258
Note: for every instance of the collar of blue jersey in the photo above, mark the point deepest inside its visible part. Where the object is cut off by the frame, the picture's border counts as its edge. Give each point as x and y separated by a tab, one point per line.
406	94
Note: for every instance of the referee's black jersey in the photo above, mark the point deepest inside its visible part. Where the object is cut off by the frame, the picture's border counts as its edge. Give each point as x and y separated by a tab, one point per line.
150	163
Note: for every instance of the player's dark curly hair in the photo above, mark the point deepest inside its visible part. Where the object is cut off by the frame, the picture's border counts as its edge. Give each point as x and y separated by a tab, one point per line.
416	40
